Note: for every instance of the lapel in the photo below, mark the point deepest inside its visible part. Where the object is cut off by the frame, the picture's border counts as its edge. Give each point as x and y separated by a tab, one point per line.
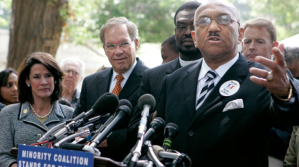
190	81
133	81
103	83
237	72
174	65
28	117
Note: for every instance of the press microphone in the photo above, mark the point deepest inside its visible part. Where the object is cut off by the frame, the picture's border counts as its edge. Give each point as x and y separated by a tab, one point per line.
123	112
81	147
178	157
156	126
170	133
107	122
105	104
146	102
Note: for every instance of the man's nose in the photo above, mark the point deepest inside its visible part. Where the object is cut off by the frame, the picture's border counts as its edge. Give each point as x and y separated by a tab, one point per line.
214	26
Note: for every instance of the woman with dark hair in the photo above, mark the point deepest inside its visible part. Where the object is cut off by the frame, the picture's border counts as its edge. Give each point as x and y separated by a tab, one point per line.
9	89
40	88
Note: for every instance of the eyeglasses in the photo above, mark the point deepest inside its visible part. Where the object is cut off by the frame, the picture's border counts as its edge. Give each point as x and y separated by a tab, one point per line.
67	71
122	46
223	20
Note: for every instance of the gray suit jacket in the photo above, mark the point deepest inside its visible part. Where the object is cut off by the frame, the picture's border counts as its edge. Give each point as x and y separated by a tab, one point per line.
20	126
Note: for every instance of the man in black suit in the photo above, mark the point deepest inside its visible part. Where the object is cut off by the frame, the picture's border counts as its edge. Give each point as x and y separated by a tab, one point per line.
120	42
152	79
223	112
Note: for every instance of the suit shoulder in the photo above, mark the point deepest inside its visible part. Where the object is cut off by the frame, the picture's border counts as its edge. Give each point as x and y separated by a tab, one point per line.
98	74
183	70
11	109
67	110
162	67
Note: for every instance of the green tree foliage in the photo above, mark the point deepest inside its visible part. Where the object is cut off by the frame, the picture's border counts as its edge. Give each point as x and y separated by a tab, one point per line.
284	14
5	10
154	18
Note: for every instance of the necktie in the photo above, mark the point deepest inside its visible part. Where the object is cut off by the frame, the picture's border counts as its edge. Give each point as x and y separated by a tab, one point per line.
117	87
208	86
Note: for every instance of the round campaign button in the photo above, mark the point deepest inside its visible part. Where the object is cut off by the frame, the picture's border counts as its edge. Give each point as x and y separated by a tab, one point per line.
229	88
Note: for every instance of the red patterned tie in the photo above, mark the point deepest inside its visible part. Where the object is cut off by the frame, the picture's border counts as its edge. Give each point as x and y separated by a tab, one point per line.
117	87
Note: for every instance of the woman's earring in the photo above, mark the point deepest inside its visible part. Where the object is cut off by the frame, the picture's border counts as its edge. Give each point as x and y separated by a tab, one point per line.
28	85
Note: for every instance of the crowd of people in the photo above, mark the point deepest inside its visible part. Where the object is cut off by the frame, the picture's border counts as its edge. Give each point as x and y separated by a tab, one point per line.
232	108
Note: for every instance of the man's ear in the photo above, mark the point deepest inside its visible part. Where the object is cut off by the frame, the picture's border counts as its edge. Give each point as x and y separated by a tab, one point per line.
193	37
136	42
241	33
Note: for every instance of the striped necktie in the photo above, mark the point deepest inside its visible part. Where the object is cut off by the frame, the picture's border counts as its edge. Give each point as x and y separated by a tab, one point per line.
208	86
117	87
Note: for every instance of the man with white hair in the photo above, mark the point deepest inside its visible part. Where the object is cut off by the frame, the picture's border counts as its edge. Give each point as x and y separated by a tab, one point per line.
73	69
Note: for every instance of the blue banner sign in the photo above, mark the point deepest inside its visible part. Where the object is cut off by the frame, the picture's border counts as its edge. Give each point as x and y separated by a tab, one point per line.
30	156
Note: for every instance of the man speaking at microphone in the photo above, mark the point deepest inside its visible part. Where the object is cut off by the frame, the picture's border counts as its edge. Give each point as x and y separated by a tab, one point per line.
120	42
225	105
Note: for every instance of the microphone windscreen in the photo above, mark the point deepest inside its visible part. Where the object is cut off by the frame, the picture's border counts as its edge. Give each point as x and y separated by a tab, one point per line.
125	102
69	146
172	126
158	122
147	99
157	149
107	103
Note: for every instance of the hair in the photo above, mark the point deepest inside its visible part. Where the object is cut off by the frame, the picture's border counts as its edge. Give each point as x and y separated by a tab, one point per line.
263	22
116	21
4	78
73	60
46	59
171	42
188	5
291	54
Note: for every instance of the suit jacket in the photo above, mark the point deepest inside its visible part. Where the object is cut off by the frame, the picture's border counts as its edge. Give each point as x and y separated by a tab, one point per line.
212	137
20	126
151	83
96	85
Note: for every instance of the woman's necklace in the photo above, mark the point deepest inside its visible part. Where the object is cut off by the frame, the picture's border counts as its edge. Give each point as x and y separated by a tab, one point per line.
39	115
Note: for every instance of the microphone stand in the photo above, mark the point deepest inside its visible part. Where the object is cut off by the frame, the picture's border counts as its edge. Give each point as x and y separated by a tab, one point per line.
152	155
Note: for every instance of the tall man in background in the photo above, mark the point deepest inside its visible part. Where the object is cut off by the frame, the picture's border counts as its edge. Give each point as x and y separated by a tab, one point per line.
188	54
120	42
224	112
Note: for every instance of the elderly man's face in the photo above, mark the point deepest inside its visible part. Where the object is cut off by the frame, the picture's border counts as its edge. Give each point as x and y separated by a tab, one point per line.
257	41
72	75
217	41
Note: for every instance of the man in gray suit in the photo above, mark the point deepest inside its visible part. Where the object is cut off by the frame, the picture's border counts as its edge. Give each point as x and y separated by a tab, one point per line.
188	54
120	42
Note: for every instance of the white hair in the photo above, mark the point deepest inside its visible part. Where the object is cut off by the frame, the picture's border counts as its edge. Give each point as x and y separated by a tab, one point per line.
73	60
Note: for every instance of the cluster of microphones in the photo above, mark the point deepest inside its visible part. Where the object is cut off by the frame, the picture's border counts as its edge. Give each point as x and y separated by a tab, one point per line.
95	131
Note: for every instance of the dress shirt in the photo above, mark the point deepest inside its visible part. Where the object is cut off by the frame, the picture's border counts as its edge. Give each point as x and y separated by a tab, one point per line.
126	76
202	77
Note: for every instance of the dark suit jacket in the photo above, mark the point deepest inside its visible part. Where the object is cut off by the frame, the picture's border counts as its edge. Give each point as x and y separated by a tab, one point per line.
212	137
151	83
96	85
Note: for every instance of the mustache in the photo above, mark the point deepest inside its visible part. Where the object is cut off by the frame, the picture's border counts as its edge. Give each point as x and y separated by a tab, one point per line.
215	34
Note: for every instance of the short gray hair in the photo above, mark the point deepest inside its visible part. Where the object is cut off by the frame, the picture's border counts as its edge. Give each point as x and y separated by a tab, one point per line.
73	60
115	21
291	54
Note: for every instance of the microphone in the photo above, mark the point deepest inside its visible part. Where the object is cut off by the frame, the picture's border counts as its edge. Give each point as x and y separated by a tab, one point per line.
105	104
156	126
146	102
170	132
176	156
81	147
123	112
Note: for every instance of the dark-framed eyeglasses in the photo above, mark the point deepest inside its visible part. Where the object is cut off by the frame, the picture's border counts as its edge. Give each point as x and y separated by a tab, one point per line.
122	46
223	20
